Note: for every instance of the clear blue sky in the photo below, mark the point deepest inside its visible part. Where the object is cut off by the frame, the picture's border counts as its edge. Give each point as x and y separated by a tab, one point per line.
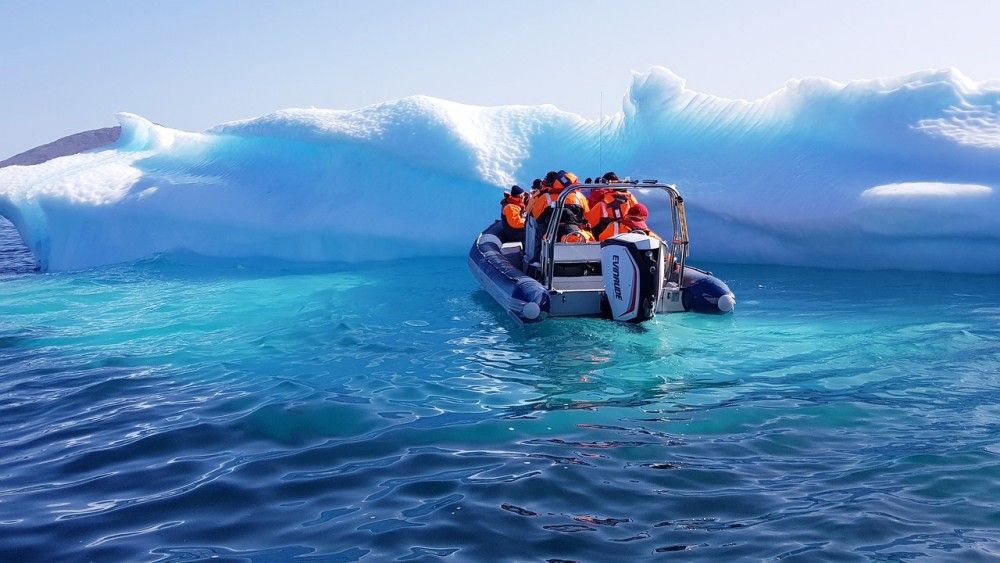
67	67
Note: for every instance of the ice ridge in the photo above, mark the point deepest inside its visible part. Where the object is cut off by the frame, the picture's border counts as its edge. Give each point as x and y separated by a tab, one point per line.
897	172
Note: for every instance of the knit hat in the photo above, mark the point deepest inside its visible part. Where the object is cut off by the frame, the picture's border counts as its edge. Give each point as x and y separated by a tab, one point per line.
516	191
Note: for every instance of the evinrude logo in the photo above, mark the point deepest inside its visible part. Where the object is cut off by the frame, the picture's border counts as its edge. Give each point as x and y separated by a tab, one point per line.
616	277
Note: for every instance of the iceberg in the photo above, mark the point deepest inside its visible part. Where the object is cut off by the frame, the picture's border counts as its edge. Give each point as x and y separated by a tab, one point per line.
872	174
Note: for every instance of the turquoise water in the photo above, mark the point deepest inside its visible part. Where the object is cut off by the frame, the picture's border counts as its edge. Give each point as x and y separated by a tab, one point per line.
182	408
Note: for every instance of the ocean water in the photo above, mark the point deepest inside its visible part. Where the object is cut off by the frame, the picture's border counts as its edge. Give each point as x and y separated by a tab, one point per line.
181	408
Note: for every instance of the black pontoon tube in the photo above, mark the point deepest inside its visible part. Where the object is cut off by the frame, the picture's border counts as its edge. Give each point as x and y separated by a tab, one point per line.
521	295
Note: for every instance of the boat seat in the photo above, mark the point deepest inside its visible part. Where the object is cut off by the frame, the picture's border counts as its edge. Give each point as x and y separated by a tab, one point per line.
511	248
512	252
568	252
578	283
576	259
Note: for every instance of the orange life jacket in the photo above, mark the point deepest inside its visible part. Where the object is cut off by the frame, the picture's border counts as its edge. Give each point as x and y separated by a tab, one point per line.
596	196
632	227
512	213
622	227
614	228
578	236
547	199
611	208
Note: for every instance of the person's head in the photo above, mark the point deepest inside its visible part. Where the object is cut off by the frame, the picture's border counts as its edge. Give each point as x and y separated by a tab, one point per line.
609	177
516	191
536	184
588	180
638	211
550	177
636	217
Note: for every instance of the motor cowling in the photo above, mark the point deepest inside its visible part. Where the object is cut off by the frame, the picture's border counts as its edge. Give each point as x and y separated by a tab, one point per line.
632	266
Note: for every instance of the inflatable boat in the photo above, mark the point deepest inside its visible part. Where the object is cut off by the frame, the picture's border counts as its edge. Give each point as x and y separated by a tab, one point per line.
629	277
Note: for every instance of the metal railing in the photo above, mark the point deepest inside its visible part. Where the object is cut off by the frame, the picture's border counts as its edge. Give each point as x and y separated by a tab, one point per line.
677	245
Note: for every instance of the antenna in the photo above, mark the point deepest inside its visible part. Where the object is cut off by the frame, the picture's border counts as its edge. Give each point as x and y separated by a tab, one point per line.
600	153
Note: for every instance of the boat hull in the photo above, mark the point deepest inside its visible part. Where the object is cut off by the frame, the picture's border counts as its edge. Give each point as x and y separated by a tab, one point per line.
526	300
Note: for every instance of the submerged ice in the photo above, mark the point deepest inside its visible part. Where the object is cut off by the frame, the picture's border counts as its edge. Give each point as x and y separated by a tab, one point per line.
890	173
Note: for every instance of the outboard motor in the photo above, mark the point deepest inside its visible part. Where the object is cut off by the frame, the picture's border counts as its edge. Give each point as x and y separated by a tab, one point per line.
632	265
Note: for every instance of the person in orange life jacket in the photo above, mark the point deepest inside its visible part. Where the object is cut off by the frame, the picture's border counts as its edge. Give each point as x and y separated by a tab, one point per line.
541	206
512	215
515	192
572	233
539	187
634	221
573	228
613	207
536	188
553	185
596	195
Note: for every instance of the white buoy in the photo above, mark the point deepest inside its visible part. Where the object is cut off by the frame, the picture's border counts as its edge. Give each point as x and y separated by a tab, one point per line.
727	302
530	310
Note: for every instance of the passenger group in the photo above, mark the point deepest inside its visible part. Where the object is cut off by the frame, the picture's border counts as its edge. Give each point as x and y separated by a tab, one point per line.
605	212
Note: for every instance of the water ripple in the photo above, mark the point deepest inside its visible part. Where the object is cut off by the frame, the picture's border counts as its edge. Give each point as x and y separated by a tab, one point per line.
183	409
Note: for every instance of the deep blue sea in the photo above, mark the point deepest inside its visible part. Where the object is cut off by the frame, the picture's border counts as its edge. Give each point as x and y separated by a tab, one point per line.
181	408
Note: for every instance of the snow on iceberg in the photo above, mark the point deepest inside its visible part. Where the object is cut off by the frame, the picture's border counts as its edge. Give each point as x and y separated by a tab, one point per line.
889	173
